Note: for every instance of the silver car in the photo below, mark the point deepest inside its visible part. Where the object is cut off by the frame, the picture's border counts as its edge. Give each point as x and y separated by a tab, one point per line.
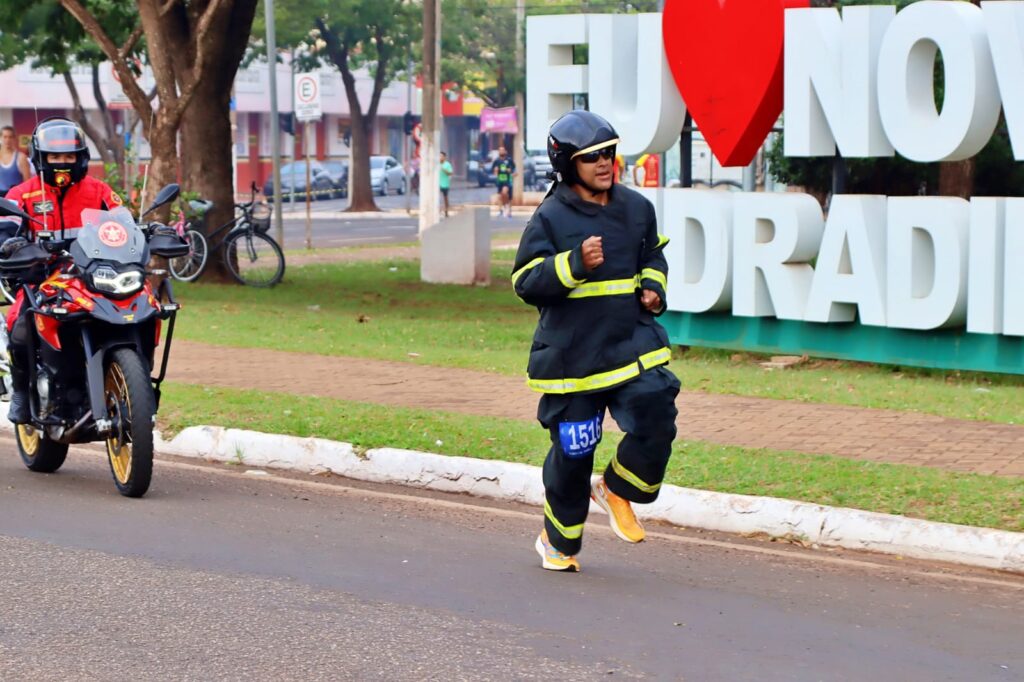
386	174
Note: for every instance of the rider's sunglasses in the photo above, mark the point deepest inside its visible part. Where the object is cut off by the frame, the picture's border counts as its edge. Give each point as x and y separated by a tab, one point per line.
592	157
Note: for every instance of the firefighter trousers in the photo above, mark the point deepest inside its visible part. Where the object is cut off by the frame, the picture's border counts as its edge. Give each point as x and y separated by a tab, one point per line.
644	409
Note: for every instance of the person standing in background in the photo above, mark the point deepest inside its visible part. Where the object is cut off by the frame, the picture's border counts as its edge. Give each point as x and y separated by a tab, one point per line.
445	179
14	168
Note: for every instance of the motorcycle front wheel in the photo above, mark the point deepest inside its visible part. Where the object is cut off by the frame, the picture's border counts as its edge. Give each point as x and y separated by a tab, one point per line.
39	453
131	406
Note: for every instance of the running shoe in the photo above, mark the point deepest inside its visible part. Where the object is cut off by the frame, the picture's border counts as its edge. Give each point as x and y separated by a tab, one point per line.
620	513
551	558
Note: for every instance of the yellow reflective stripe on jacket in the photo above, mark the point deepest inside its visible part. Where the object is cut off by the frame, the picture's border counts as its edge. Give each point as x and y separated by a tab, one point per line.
656	275
590	383
609	287
656	357
662	240
567	532
564	271
519	273
631	478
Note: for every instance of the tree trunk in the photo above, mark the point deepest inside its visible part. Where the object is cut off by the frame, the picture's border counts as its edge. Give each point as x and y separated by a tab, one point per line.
362	191
956	178
206	141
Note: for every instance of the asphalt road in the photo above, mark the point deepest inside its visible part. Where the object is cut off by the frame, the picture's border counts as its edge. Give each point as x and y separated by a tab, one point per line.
220	574
389	228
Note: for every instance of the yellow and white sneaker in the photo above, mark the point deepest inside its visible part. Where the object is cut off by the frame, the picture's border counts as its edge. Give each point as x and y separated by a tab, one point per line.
552	559
620	513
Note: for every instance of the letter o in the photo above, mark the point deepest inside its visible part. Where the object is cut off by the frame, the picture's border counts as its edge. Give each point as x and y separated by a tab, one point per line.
906	99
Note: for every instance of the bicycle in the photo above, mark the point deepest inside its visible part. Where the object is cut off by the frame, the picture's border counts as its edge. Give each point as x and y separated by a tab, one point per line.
249	253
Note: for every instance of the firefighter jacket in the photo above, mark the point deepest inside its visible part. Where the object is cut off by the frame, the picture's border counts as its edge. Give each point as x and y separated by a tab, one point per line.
593	332
62	208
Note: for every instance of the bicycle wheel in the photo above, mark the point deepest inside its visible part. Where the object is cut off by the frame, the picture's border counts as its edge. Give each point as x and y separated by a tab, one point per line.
189	267
254	258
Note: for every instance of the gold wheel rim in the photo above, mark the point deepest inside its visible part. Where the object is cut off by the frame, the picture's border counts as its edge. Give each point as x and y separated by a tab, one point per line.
29	439
119	408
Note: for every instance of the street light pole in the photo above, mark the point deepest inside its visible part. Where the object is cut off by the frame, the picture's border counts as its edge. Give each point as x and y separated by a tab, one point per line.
275	121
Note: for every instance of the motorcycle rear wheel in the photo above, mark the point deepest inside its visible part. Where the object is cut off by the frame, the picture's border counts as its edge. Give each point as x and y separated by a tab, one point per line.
39	453
131	406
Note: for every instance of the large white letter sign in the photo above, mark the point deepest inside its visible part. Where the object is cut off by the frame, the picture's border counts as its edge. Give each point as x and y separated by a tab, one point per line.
906	99
699	223
985	266
831	81
549	69
774	237
1004	22
849	274
630	82
1013	292
927	258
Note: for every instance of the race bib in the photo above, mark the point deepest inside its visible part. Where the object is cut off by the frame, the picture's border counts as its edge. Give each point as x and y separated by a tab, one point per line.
580	439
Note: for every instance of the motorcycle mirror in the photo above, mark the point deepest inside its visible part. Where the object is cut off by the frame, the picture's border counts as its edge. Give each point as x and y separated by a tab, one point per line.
10	208
166	195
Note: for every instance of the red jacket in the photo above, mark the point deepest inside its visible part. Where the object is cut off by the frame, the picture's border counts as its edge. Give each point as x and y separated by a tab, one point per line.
63	210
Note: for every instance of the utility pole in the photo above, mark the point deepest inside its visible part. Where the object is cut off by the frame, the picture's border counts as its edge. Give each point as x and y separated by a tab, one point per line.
517	153
294	126
429	213
275	121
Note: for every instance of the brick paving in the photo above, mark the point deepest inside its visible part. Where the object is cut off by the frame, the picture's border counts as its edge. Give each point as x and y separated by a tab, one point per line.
854	432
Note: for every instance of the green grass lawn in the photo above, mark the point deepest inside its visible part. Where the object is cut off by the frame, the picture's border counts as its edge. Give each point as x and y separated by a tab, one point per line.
971	499
381	310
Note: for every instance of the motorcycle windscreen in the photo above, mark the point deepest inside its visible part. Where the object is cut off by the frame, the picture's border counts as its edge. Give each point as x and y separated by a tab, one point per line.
111	235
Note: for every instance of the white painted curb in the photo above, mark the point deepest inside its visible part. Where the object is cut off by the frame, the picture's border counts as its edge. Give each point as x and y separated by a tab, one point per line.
744	514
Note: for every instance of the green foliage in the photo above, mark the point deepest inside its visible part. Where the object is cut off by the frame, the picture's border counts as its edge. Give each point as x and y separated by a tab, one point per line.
43	32
478	42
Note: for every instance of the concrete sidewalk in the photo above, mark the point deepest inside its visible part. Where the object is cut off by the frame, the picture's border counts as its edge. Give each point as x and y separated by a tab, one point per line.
857	433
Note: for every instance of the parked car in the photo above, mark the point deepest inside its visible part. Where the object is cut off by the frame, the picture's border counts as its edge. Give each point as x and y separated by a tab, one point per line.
541	167
385	173
337	171
294	175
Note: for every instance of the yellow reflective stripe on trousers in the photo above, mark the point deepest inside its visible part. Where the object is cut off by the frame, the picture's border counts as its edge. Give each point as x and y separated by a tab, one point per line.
519	273
656	357
609	287
590	383
631	478
567	532
657	275
564	271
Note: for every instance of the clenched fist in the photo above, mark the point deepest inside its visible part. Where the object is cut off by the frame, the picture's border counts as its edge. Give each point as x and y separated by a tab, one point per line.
650	300
593	254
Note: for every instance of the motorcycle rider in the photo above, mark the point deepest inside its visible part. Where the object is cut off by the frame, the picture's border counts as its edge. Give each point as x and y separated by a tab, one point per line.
591	260
56	197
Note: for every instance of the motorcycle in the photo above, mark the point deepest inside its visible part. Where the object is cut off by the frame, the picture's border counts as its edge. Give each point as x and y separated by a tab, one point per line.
97	327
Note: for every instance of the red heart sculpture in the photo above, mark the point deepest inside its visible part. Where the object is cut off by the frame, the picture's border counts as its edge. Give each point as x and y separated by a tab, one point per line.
726	57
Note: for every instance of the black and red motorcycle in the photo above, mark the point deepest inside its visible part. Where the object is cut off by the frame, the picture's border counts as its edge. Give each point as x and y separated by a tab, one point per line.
96	329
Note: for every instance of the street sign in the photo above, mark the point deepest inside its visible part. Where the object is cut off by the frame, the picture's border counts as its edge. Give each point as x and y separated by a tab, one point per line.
307	97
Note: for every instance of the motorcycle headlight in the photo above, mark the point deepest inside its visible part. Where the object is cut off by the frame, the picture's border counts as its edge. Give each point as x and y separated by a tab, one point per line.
109	280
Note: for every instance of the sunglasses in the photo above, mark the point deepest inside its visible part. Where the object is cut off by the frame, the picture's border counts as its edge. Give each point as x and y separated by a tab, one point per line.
592	157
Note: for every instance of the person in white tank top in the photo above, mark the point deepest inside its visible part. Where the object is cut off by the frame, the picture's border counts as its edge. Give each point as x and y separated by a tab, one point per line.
13	164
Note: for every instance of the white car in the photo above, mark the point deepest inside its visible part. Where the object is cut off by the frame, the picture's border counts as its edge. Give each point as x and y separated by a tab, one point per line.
386	174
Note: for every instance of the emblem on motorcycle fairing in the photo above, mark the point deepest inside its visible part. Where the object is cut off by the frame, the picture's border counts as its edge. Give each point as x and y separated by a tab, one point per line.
113	234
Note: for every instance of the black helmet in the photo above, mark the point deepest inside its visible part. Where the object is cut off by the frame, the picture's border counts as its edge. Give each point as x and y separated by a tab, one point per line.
575	133
59	136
